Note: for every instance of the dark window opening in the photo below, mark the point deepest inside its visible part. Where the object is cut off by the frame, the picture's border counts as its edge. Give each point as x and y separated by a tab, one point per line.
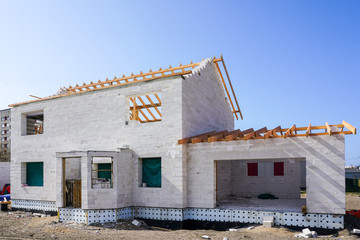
34	123
102	172
278	168
252	169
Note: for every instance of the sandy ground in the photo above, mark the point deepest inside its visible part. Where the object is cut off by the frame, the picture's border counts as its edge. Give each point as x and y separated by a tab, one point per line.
352	201
21	225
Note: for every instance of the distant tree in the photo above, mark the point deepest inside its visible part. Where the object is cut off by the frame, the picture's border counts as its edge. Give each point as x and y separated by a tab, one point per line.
4	155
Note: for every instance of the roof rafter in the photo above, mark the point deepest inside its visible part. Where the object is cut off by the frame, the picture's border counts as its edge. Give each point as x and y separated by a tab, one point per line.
250	134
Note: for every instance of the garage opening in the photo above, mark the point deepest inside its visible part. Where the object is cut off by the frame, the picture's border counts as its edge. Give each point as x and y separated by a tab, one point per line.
266	184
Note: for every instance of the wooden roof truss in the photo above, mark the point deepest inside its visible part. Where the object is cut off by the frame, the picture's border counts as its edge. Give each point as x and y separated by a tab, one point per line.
146	108
151	75
277	132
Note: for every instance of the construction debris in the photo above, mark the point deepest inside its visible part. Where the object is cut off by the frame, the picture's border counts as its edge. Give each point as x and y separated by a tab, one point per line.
268	221
306	233
136	223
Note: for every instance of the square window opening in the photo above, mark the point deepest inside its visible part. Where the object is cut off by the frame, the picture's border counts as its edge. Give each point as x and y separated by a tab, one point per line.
102	172
145	108
151	172
33	174
35	123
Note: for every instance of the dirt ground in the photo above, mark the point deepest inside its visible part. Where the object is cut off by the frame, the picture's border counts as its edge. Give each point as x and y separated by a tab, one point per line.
352	201
22	225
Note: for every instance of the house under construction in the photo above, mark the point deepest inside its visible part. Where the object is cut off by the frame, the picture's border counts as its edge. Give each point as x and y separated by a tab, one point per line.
162	146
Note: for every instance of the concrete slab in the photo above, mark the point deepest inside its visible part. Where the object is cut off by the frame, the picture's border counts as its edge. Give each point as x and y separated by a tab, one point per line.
256	204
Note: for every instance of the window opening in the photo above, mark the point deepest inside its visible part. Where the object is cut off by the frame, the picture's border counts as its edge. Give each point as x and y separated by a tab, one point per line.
35	174
102	172
146	108
252	169
34	123
151	172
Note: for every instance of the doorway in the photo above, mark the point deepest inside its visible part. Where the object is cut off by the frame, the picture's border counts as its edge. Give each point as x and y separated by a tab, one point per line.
72	182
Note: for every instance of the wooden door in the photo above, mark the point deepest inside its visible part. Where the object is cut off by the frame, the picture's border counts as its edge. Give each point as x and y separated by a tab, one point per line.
73	193
77	194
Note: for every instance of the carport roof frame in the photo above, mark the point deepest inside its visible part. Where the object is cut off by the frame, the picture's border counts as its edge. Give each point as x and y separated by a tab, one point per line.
264	133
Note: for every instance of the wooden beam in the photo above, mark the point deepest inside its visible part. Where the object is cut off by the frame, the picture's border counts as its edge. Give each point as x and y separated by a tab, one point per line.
249	135
261	130
154	105
156	109
35	96
349	126
248	131
218	136
188	139
232	89
147	109
233	135
308	130
226	90
126	83
271	132
328	129
289	131
203	138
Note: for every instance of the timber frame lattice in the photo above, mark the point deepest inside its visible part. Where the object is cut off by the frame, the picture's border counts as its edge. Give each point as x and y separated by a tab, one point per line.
264	133
181	70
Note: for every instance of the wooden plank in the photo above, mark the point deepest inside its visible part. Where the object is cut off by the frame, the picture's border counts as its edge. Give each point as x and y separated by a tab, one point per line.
233	135
152	103
203	138
289	131
147	106
328	129
349	126
218	136
188	139
248	131
127	83
271	132
232	89
77	194
149	111
249	135
308	130
226	90
261	130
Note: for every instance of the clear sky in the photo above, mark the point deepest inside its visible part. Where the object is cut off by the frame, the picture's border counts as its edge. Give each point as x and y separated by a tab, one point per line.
291	62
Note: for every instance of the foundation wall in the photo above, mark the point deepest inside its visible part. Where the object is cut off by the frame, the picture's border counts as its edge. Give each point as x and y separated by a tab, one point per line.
325	167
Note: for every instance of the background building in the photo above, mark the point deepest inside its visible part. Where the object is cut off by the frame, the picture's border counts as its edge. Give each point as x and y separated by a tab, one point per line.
5	132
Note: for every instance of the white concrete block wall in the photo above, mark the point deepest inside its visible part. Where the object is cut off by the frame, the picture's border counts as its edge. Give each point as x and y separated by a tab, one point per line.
4	174
325	167
204	105
224	180
287	186
96	121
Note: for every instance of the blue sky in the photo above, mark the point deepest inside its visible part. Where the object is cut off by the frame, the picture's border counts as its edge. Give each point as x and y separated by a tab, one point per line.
291	62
